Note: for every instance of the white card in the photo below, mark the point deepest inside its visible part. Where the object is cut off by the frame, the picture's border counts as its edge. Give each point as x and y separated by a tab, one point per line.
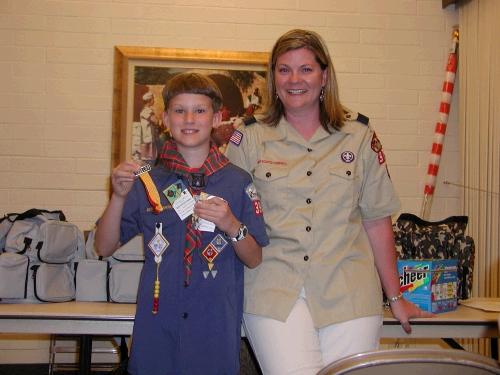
202	224
184	204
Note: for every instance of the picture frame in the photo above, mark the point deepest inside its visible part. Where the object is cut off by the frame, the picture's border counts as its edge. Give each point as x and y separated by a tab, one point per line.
141	72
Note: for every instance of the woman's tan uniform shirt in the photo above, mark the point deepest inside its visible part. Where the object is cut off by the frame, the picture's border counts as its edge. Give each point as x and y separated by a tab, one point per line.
315	195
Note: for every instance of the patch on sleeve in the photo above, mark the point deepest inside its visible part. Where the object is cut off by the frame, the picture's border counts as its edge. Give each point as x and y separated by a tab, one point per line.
254	197
251	191
356	116
363	119
376	145
381	157
377	148
257	208
236	137
249	120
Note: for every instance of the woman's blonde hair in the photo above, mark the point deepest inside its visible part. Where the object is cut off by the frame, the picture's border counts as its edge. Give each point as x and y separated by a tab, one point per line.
331	110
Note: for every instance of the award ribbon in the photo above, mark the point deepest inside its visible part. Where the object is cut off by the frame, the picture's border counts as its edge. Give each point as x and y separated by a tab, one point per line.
157	245
151	191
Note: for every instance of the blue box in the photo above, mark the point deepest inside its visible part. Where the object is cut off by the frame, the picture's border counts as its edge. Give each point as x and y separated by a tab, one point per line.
429	284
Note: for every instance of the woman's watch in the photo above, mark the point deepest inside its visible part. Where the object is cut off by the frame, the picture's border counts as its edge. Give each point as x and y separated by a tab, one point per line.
242	233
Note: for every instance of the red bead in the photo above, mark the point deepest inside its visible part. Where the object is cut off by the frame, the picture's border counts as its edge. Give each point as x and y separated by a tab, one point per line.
156	302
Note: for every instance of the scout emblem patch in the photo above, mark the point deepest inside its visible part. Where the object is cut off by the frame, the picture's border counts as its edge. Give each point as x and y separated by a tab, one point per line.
157	245
151	191
251	191
377	147
212	251
347	156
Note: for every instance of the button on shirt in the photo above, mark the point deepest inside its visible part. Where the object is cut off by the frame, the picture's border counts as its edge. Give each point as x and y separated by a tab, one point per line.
316	194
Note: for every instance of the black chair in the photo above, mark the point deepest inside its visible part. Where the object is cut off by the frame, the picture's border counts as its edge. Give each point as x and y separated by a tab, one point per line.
413	362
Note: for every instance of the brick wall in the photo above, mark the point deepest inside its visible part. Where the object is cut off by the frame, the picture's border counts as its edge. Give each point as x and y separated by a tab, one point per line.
56	71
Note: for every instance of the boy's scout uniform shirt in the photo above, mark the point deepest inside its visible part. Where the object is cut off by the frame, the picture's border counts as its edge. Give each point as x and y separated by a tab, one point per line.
197	329
315	196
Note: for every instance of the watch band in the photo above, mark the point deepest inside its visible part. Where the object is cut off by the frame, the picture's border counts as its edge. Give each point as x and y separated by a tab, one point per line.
242	233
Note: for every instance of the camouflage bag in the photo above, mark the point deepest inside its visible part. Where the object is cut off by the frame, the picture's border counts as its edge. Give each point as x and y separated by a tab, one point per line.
420	239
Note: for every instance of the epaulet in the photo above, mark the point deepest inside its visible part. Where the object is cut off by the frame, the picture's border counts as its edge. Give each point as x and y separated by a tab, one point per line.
249	120
356	116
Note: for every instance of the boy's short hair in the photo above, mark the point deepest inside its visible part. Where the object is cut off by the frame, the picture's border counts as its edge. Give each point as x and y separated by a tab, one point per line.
192	83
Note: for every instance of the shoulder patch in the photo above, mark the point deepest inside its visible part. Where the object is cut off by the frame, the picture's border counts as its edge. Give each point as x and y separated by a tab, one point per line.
236	137
377	148
254	197
356	116
363	119
249	120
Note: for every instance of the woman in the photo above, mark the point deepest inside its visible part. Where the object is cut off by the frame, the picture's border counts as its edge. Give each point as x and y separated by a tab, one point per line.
327	200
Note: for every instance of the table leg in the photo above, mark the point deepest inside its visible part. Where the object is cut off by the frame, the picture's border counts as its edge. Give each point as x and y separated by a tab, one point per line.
85	354
453	343
494	348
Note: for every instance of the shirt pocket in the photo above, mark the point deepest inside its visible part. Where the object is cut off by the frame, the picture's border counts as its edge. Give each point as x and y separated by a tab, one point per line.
272	184
344	186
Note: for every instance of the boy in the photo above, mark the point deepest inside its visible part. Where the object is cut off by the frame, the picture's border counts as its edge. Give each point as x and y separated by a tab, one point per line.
192	324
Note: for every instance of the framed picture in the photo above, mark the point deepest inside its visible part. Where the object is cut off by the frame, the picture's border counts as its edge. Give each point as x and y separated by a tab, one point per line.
140	75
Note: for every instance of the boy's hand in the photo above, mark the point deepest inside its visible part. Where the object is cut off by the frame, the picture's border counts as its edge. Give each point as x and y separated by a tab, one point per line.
218	212
122	177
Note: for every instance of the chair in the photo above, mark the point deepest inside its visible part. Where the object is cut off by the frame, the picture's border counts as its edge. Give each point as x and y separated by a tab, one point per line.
413	362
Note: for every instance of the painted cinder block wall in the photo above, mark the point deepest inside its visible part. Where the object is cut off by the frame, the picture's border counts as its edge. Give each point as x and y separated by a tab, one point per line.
56	74
56	84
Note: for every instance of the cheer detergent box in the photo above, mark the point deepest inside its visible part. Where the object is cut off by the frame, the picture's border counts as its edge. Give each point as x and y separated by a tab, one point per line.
430	284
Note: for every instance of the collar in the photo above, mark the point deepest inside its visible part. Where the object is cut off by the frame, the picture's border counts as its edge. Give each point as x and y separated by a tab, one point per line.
174	161
288	132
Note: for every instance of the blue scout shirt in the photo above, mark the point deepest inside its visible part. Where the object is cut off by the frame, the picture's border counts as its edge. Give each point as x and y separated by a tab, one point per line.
197	328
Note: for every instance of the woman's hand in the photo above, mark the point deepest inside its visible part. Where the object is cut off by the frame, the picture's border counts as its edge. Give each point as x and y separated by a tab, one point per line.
218	212
122	178
404	310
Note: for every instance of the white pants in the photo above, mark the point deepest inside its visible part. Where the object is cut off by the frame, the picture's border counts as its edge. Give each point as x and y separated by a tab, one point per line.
297	347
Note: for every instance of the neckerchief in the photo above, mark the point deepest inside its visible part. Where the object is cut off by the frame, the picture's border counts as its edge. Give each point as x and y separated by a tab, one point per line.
174	161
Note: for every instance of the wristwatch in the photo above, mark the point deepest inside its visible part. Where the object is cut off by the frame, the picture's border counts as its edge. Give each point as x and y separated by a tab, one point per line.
242	233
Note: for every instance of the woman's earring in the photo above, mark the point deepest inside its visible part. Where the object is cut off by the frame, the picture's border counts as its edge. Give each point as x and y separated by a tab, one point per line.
322	94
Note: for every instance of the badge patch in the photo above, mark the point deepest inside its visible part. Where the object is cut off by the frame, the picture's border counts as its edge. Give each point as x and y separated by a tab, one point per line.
257	208
251	191
219	243
174	191
158	245
381	157
210	253
376	145
347	156
236	137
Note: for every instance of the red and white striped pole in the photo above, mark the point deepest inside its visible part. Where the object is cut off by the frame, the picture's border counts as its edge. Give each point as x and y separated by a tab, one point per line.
440	130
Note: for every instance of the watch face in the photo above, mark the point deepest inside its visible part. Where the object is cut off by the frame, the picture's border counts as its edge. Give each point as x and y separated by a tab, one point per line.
242	232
